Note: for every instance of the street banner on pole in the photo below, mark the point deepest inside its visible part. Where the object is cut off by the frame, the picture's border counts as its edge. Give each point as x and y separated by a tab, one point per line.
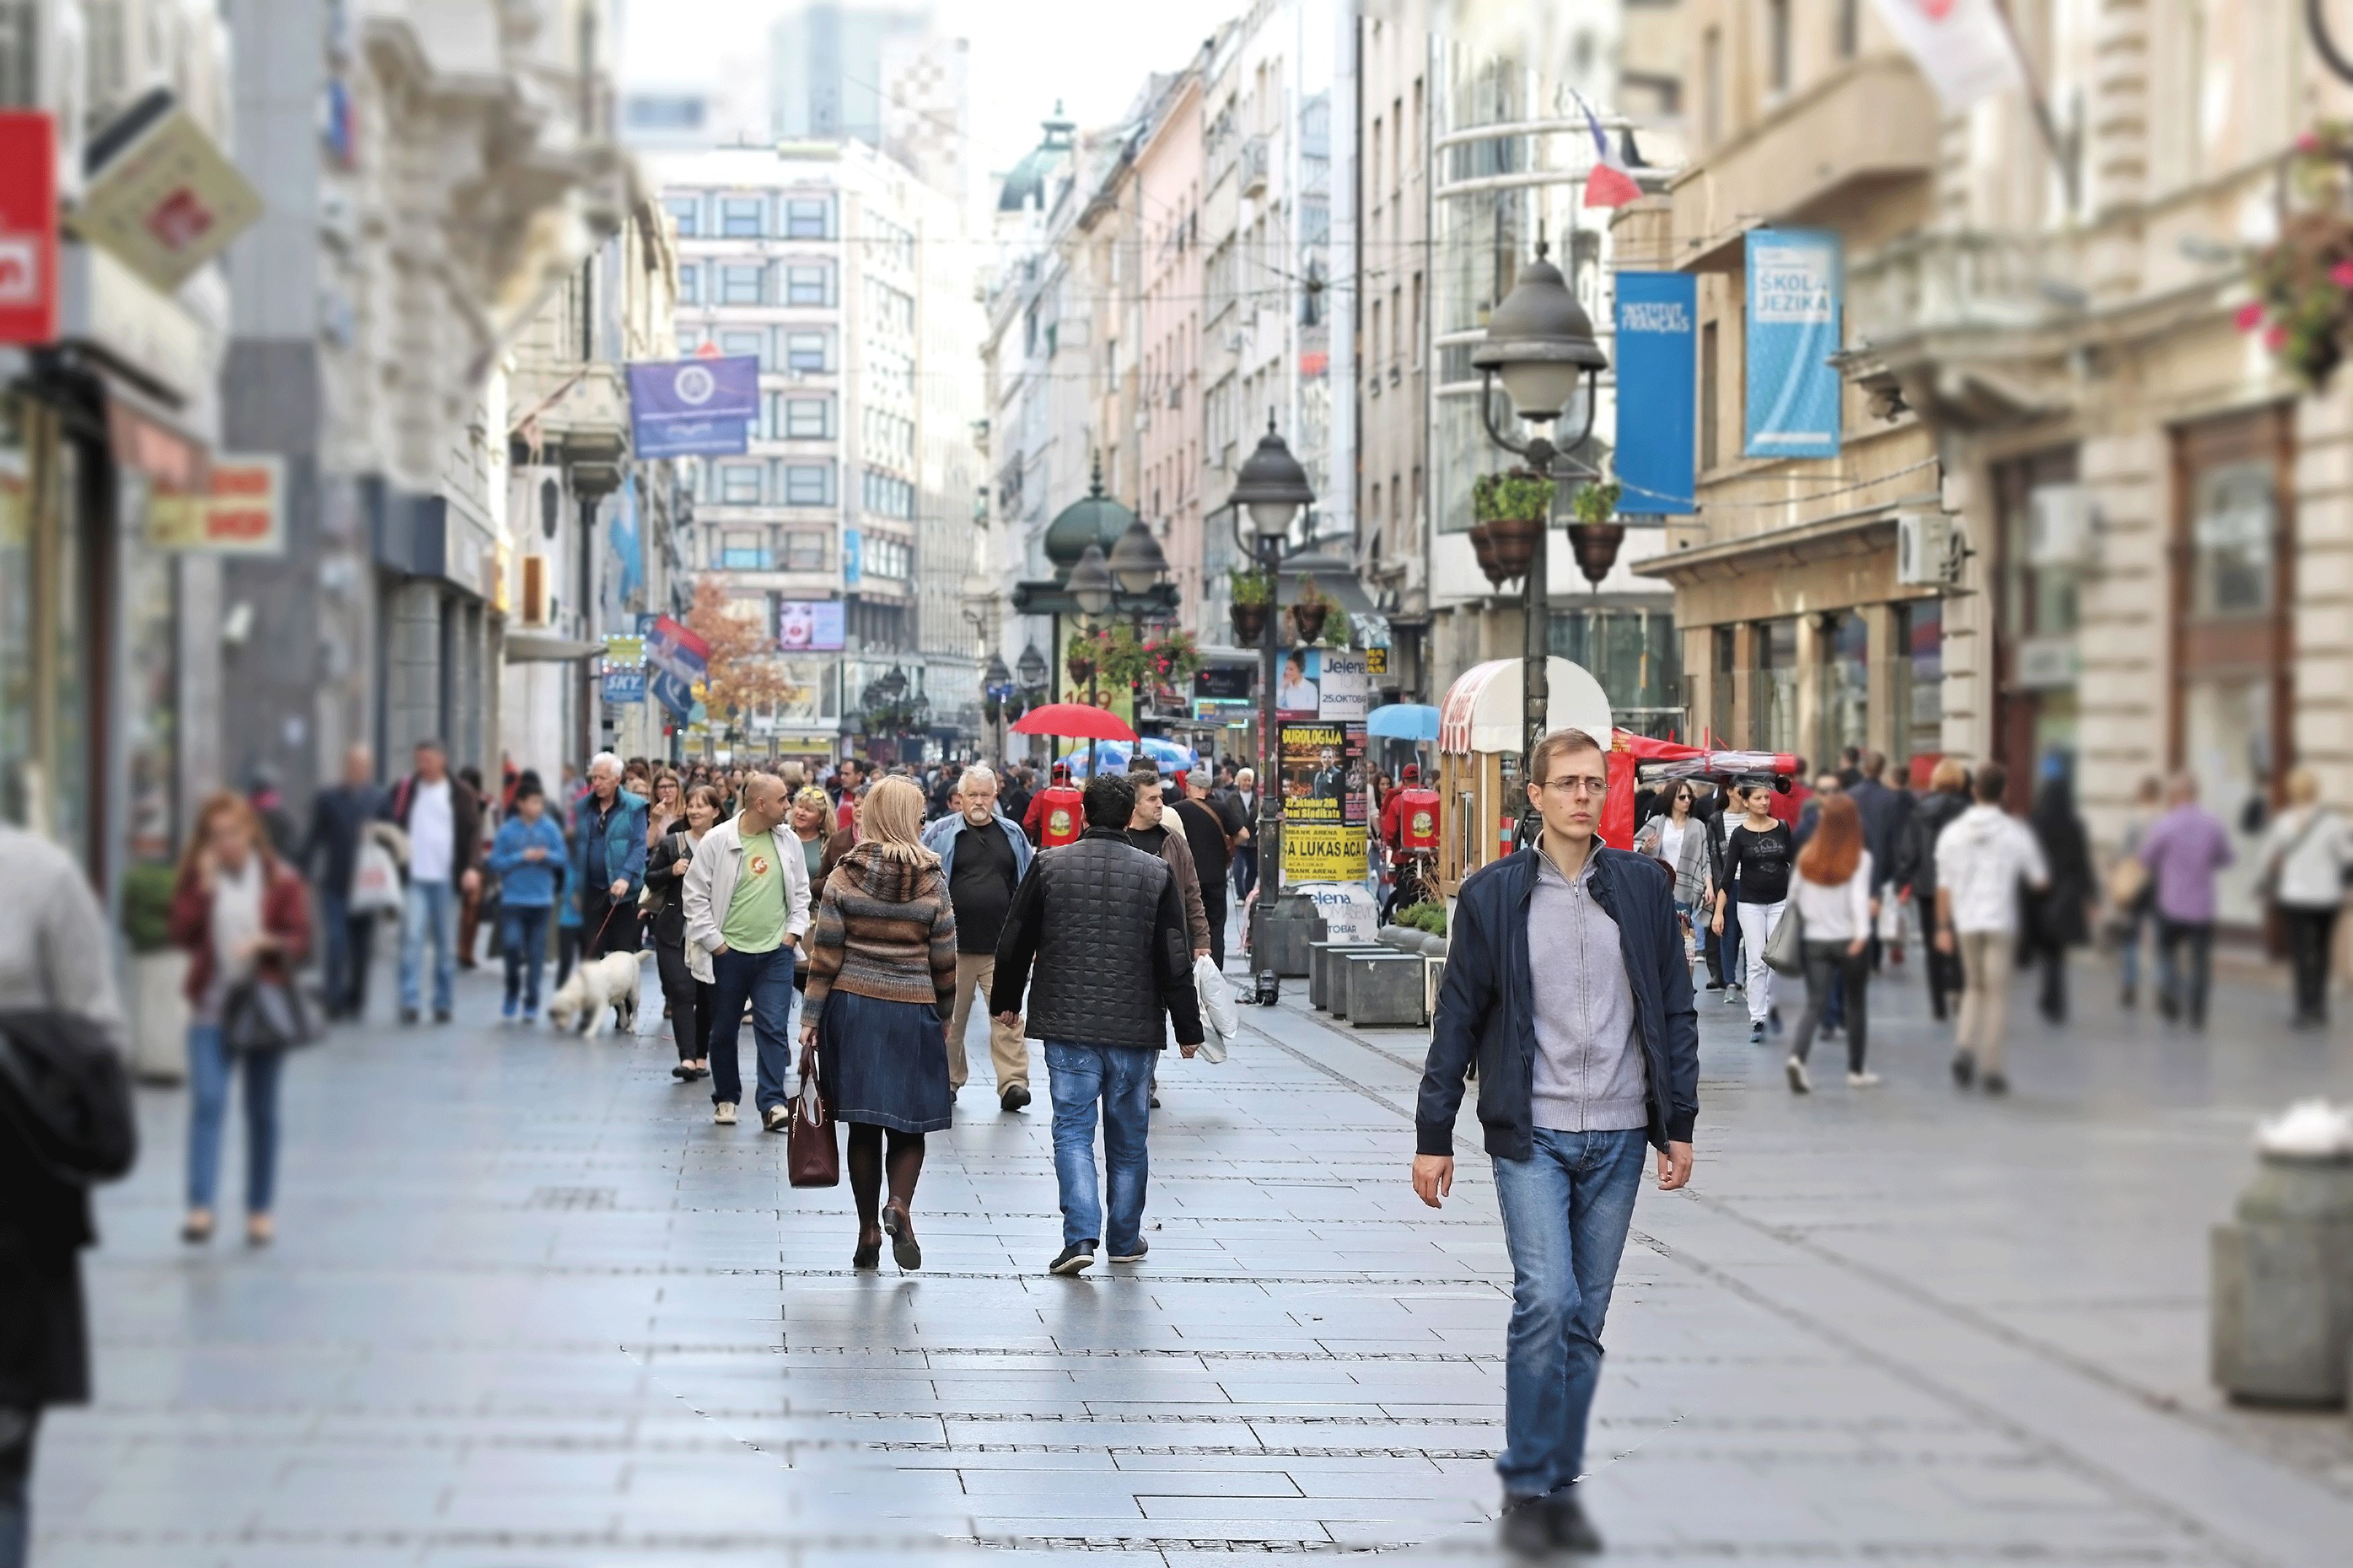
1793	329
28	227
1963	47
1323	810
676	662
693	407
1658	316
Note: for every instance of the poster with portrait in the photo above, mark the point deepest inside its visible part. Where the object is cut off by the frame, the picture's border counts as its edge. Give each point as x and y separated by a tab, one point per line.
1324	802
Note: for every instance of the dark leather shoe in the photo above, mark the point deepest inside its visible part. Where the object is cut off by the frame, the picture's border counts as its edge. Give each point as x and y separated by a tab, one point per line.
1572	1532
1525	1530
1015	1096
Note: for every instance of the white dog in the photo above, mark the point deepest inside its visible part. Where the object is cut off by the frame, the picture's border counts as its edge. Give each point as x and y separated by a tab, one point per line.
599	983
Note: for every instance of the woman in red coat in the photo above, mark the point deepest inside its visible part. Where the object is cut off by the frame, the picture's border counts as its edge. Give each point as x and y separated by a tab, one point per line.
241	912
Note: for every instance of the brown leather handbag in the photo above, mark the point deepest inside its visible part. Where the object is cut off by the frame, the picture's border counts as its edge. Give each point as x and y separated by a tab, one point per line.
812	1154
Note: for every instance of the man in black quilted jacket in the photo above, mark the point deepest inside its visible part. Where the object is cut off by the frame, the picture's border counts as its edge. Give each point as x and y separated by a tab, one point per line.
1105	926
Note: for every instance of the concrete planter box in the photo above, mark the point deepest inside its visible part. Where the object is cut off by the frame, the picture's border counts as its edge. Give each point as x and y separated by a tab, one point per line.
2282	1284
1283	933
1383	989
1324	961
159	1016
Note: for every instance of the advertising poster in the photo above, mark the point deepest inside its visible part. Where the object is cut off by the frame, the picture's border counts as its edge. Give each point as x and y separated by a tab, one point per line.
810	625
1322	683
624	685
1793	329
1657	381
1323	809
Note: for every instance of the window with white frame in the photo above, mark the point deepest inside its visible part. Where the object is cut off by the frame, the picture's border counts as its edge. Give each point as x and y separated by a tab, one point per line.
745	342
689	284
809	350
808	550
742	283
742	549
809	418
740	218
894	308
688	211
739	484
892	558
808	283
808	484
887	495
808	218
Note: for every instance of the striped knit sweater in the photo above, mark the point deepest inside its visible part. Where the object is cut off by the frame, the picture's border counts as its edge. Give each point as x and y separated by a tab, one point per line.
884	929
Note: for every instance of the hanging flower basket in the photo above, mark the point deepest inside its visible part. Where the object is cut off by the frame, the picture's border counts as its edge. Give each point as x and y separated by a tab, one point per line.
1173	659
1515	507
1593	537
2302	281
1482	546
1250	622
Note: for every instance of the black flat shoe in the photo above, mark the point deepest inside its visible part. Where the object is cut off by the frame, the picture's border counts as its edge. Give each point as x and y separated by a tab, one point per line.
683	1073
901	1232
869	1254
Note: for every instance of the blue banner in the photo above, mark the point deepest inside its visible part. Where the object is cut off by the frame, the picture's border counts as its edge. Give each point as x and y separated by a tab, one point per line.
623	684
1793	284
853	557
626	544
1658	354
693	407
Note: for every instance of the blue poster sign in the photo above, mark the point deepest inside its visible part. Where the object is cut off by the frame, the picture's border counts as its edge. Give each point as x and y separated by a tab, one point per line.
626	545
693	407
1658	336
853	558
623	684
1794	283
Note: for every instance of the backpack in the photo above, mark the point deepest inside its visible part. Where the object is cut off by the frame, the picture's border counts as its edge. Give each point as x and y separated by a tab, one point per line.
66	1094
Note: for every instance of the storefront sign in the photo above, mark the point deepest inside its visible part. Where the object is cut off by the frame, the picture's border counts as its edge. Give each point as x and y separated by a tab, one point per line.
28	228
1225	682
624	685
1658	316
701	407
240	510
623	651
1793	329
167	203
1323	810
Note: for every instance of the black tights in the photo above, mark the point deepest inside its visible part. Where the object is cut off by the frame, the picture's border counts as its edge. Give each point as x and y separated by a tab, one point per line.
867	1162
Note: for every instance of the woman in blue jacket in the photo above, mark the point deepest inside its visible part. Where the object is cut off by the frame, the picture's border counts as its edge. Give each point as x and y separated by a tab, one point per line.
529	860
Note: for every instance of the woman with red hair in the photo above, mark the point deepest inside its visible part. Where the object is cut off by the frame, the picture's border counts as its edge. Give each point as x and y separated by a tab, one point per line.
1831	894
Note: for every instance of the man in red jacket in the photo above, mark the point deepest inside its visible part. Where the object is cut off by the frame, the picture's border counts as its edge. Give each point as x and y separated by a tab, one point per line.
1056	816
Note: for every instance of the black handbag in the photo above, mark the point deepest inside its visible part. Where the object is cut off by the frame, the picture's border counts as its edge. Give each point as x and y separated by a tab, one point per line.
266	1014
66	1093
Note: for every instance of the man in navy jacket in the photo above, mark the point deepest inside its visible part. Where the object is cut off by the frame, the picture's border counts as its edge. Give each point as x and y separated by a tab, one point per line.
1565	981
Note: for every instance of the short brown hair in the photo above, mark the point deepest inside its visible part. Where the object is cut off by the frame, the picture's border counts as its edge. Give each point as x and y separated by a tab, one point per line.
1560	743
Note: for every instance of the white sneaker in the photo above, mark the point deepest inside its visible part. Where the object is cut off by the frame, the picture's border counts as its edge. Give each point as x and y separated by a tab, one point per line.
723	1113
1862	1080
1798	1082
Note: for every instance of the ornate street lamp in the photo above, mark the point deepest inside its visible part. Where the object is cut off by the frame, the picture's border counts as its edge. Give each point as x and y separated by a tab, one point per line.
1138	564
1091	583
1030	671
1540	344
1271	491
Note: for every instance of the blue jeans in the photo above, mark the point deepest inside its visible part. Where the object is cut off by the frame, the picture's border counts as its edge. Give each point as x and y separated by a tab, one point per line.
1120	1077
1565	1209
428	906
210	1062
522	943
766	979
351	944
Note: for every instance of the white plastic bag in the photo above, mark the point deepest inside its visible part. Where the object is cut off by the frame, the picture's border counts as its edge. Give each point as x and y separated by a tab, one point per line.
375	880
1219	1024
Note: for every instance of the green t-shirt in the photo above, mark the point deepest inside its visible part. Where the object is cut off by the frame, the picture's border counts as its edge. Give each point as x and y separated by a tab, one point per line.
755	915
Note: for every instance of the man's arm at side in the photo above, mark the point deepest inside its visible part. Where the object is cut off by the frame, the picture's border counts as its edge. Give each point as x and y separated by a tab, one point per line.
1462	1001
694	895
1682	1101
1016	946
1174	961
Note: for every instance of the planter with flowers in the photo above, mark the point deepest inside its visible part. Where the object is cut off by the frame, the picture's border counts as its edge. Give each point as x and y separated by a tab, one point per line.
1252	600
2304	280
1309	611
1514	507
1171	660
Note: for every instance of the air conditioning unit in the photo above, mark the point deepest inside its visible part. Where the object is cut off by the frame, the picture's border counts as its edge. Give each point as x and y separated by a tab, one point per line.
1926	552
2061	523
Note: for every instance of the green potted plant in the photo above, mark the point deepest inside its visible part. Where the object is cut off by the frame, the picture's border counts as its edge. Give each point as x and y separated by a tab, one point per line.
1309	610
1082	658
159	972
1593	536
1251	594
1514	506
1173	659
2303	280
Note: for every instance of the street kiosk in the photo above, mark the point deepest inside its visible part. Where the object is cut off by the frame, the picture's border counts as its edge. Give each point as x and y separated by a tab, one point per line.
1479	746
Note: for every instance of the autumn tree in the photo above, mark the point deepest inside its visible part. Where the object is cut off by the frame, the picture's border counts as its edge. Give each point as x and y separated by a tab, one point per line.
745	673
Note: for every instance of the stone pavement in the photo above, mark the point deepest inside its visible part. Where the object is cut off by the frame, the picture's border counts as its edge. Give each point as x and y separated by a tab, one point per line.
529	1307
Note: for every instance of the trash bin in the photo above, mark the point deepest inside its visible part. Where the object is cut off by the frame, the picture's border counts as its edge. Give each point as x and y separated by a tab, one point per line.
2282	1268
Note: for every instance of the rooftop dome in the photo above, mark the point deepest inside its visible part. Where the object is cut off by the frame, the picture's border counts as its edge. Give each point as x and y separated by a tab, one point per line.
1093	519
1032	178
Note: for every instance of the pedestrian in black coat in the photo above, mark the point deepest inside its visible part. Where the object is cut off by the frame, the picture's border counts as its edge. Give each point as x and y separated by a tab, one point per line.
2059	918
1915	868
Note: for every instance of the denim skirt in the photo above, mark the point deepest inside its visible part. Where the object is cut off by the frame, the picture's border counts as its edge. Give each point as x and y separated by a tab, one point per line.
884	1064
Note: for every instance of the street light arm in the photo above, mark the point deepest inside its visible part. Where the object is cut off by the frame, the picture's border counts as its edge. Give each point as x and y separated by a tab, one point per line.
1487	413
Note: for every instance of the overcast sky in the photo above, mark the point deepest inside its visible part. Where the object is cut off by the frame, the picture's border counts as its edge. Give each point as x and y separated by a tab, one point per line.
1025	53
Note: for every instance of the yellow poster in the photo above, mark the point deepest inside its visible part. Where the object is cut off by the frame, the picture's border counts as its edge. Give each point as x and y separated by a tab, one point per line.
1322	854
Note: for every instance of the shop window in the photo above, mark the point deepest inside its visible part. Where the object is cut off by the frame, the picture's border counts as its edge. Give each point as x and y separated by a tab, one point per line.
2233	515
1919	687
1632	653
1773	685
1846	684
1724	665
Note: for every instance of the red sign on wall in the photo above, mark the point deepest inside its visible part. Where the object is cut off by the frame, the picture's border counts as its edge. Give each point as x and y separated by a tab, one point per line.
28	227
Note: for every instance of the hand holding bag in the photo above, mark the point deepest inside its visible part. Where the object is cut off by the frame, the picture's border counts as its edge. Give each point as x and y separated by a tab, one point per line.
812	1155
1785	948
266	1014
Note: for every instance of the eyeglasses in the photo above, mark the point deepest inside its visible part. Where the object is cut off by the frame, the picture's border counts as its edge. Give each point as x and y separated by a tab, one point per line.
1577	784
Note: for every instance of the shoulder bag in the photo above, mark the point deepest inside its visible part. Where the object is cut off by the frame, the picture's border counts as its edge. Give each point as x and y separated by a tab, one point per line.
812	1154
1785	947
266	1014
65	1094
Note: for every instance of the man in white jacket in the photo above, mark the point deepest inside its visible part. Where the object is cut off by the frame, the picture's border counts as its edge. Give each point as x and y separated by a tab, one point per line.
746	899
1980	856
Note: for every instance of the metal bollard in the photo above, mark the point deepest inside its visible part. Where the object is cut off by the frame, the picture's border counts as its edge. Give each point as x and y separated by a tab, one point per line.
2282	1269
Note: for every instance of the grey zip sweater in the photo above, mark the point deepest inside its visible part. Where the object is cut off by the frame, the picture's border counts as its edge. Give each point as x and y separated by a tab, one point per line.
1588	1071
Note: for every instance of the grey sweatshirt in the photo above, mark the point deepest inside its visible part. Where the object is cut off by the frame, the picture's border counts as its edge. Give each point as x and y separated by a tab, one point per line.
1589	1076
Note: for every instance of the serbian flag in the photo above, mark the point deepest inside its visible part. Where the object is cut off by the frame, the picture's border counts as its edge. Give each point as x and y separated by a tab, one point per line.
1609	185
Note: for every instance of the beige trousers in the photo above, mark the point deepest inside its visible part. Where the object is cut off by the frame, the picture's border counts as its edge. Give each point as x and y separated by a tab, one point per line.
1007	1048
1985	996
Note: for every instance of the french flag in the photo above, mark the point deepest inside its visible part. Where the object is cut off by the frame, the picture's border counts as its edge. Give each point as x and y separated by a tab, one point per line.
1609	185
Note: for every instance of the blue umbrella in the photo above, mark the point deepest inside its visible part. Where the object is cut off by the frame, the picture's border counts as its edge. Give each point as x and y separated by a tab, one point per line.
1110	756
1403	721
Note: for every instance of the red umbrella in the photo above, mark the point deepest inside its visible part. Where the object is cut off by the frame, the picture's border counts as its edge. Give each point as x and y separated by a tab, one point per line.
1073	721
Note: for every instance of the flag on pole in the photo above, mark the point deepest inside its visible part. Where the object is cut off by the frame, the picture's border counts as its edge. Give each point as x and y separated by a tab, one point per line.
1963	47
1609	185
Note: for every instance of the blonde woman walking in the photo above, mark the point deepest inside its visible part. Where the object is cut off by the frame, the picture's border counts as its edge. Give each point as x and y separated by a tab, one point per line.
882	985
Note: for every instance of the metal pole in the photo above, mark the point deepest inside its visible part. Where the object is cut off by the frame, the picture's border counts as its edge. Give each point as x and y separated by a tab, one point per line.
1535	677
1092	704
1270	785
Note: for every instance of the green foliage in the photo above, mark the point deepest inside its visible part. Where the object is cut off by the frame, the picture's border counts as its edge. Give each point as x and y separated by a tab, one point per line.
147	891
1596	503
1515	497
2303	282
1248	587
1428	915
1312	598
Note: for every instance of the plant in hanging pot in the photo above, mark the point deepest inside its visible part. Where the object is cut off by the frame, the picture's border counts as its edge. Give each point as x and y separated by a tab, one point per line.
1083	657
1482	547
1515	507
1122	660
1593	536
1173	659
2304	280
1252	596
1308	612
